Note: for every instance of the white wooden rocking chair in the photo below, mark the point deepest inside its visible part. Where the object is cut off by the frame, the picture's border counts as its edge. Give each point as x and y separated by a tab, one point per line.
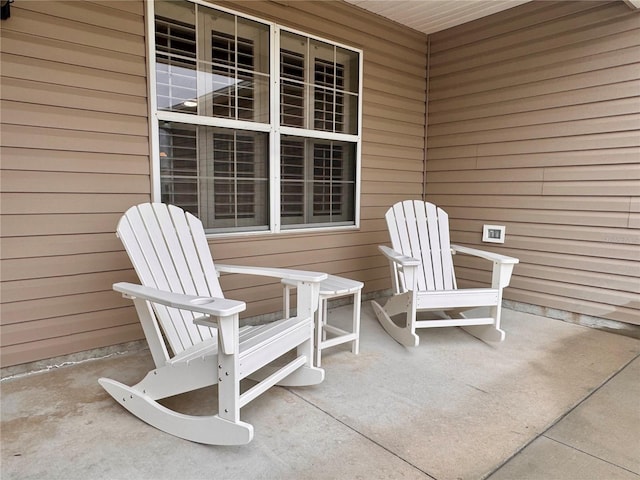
193	331
423	277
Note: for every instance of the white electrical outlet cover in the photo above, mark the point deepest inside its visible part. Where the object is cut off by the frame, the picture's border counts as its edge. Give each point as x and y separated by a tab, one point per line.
493	233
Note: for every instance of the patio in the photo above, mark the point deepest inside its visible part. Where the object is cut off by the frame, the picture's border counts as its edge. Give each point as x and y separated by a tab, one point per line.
555	400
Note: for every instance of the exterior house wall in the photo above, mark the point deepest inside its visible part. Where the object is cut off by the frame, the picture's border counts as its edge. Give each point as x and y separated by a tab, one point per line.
534	123
75	156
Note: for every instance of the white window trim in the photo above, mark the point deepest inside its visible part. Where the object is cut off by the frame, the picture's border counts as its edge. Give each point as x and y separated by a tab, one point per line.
274	128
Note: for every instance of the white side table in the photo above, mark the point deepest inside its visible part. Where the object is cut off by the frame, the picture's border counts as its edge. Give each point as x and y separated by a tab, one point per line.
332	287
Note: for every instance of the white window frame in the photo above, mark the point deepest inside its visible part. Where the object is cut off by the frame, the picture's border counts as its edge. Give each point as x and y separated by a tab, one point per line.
274	129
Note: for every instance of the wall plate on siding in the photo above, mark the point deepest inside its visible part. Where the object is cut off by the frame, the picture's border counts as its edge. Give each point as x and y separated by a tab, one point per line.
493	233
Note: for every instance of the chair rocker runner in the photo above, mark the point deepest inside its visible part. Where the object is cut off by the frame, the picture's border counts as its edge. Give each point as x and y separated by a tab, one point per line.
423	277
193	331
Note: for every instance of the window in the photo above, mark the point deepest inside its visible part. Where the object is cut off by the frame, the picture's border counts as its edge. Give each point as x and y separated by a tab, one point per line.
257	126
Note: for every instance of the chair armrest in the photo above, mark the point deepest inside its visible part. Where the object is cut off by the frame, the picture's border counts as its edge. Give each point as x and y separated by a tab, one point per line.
282	273
398	258
493	257
217	307
502	264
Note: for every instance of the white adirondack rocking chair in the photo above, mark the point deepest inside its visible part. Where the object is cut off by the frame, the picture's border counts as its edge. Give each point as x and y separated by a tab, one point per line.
193	331
423	277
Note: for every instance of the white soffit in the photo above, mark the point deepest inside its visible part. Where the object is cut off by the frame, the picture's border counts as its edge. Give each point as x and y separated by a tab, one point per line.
429	16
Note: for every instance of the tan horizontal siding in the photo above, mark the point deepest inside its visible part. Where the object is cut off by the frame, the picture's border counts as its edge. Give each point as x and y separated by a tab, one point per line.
52	245
36	288
47	203
75	154
29	159
534	123
48	347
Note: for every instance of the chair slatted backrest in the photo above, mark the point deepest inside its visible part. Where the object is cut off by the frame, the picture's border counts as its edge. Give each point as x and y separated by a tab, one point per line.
169	251
421	230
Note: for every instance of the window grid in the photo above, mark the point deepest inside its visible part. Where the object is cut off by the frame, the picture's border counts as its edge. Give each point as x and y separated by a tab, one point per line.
179	167
233	59
233	161
329	100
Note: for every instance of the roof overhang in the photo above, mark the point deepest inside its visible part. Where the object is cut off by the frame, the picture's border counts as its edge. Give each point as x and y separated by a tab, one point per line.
430	16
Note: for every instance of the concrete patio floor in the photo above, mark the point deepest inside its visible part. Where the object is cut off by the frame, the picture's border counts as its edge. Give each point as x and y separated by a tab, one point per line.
554	401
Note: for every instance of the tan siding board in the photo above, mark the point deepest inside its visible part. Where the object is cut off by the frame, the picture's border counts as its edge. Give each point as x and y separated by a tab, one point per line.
36	288
19	312
49	182
73	140
583	293
58	245
542	145
385	102
35	330
400	165
15	66
593	172
373	146
381	84
613	156
380	175
483	205
619	123
26	91
557	217
391	113
598	188
46	203
584	307
530	96
572	99
395	127
17	158
72	31
60	224
579	277
389	138
27	45
56	266
516	74
93	13
136	8
57	346
544	116
15	113
474	176
414	83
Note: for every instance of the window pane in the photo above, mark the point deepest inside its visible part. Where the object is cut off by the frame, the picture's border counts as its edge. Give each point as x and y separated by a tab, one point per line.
175	57
318	85
219	175
317	181
233	66
230	76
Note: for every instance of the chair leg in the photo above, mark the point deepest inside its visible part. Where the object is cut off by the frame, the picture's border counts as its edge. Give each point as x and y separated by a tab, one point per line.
321	318
355	345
